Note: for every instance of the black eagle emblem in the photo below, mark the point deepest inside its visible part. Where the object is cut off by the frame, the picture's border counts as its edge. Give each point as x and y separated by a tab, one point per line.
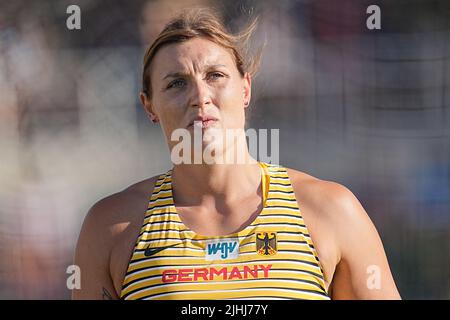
266	243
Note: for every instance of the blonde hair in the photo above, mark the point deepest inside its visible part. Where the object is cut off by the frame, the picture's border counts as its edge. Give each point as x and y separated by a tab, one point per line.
204	23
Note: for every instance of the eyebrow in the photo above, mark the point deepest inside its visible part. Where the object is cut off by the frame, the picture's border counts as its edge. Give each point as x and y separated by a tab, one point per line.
180	74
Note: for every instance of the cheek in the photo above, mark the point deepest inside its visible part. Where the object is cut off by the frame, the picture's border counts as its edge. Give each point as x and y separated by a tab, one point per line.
230	96
232	93
170	108
170	113
231	103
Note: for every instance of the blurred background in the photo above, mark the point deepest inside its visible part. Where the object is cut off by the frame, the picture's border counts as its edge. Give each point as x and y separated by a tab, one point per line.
366	108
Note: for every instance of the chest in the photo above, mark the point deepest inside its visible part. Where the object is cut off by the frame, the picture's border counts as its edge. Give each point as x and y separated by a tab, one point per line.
286	242
203	223
272	255
224	270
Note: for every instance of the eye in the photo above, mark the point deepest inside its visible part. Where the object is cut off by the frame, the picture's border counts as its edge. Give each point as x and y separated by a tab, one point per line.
177	83
215	75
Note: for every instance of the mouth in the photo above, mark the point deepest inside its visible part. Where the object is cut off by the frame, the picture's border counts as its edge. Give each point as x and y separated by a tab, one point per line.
203	122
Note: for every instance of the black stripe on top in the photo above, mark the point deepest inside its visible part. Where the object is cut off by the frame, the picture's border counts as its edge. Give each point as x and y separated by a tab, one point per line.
275	269
233	281
244	289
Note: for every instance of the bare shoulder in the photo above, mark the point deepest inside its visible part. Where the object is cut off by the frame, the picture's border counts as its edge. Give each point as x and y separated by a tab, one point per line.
115	211
332	200
330	204
108	223
322	204
347	241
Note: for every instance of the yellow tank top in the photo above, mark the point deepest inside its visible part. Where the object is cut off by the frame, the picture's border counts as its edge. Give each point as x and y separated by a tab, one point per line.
272	258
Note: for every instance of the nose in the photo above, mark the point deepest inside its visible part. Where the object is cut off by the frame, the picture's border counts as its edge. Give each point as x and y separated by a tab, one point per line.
200	95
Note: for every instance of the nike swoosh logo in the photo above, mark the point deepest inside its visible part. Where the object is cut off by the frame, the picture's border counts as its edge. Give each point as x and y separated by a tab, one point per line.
152	251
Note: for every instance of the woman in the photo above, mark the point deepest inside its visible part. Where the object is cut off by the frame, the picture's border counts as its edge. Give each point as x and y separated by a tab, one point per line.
223	231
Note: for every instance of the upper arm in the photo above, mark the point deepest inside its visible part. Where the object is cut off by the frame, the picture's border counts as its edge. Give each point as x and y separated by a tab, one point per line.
92	255
363	270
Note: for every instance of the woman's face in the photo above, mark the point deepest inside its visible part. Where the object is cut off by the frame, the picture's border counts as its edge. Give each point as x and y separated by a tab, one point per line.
197	80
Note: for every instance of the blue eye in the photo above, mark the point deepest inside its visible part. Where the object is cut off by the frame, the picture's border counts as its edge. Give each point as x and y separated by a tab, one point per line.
215	75
177	83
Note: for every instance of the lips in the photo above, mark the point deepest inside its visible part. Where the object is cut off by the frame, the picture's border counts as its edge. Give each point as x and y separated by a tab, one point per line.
206	121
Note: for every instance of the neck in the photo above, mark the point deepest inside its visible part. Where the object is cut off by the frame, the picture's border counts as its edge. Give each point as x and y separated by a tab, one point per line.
195	183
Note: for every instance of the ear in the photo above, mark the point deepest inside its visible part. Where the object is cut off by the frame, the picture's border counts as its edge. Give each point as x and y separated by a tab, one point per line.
147	105
247	89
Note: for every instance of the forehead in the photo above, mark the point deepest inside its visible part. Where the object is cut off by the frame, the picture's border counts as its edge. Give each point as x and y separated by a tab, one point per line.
193	54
